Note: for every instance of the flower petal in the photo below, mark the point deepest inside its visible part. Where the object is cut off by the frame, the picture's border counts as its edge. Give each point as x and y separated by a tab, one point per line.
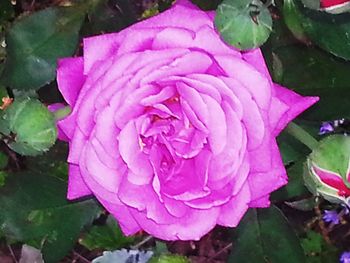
296	103
76	185
70	78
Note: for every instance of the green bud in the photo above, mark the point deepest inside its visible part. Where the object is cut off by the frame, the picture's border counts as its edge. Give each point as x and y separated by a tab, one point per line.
244	24
169	259
29	127
327	169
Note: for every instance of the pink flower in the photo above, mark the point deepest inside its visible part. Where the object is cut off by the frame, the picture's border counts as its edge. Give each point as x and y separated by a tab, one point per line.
172	130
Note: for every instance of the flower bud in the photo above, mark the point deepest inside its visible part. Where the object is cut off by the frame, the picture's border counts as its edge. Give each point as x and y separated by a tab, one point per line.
335	6
28	127
327	169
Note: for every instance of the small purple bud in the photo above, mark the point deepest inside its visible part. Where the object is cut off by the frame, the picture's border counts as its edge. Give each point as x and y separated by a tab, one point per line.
331	216
326	127
345	257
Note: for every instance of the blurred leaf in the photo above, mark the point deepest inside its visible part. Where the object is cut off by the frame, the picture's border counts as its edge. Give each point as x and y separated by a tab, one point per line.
3	160
291	149
3	92
110	16
6	10
244	24
293	20
317	250
3	176
207	5
161	248
316	73
295	187
264	235
124	256
34	210
107	237
53	162
35	42
169	259
328	31
307	204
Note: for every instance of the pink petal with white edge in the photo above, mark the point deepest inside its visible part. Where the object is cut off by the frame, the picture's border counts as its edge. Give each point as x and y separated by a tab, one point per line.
76	185
70	78
232	212
296	103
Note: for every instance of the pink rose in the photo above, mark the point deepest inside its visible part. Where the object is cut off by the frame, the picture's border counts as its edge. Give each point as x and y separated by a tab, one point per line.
172	130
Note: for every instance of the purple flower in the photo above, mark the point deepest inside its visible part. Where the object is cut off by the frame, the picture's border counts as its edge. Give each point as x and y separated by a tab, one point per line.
345	257
326	127
331	216
171	129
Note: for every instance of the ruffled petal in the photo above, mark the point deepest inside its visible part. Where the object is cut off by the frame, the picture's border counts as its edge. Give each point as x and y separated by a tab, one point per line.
264	182
70	78
76	185
296	104
232	212
191	226
121	212
255	58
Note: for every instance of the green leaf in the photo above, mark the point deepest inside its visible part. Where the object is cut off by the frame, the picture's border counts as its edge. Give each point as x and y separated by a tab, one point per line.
245	24
315	73
307	204
53	162
3	160
328	31
295	187
3	176
317	250
293	20
291	149
34	210
264	235
107	237
35	42
109	16
169	259
207	5
6	11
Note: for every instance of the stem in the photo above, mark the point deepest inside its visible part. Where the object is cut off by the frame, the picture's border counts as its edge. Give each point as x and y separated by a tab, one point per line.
301	135
144	241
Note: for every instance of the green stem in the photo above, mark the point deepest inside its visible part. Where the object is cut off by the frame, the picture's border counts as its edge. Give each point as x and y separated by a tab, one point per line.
301	135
